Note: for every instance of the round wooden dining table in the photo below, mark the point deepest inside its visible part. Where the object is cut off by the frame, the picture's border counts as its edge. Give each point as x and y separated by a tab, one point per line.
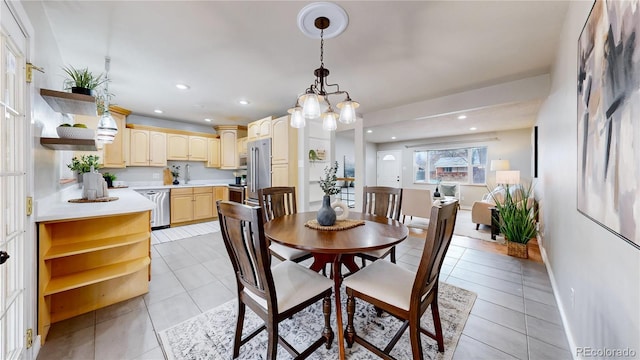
336	247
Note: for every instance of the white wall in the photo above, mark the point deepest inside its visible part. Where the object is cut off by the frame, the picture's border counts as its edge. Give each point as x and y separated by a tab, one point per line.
513	145
603	269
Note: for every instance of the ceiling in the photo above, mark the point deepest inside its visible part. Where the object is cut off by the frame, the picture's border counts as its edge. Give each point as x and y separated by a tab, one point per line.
392	53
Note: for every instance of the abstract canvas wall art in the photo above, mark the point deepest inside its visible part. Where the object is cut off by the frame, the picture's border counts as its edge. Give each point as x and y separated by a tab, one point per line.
609	118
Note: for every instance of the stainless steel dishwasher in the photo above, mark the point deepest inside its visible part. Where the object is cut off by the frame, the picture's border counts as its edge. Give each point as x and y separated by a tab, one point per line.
161	215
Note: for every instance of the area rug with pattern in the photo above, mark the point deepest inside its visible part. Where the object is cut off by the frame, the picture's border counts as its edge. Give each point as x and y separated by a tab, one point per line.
210	334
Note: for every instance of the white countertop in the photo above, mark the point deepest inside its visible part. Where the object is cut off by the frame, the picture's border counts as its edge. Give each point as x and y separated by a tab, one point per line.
149	187
57	207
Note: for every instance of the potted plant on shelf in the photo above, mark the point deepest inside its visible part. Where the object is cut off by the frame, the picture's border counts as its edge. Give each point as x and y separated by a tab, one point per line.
81	81
327	215
517	217
83	165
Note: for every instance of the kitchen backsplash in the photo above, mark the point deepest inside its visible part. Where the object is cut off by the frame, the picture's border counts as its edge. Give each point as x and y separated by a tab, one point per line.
198	172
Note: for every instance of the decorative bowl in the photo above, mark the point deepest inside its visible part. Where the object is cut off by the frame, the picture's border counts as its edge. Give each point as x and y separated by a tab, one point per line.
69	132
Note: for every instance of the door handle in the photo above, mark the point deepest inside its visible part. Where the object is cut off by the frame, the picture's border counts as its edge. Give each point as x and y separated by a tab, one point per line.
4	257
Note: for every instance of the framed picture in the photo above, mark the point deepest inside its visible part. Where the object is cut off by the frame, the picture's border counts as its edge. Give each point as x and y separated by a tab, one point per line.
609	118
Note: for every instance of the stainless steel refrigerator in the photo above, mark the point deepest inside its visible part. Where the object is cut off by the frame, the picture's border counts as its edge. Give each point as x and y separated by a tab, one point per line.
258	167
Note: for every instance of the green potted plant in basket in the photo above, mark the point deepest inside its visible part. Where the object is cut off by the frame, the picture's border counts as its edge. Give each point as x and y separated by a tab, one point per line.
517	217
109	178
81	81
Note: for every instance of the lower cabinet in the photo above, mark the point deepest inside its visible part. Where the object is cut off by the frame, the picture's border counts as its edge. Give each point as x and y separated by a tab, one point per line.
88	264
195	204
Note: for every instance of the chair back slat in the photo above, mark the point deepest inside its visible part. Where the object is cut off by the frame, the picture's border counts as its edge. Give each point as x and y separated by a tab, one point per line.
441	226
382	201
277	201
243	234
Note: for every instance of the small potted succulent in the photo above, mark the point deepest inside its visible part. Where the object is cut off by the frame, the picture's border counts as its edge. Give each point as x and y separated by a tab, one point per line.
109	178
82	81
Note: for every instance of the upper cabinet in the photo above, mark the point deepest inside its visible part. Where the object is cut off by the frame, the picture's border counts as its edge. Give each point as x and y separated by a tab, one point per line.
186	147
259	129
229	134
242	146
147	148
213	148
111	155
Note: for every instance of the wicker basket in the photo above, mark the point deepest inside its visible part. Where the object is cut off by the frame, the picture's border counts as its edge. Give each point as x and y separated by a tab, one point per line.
517	249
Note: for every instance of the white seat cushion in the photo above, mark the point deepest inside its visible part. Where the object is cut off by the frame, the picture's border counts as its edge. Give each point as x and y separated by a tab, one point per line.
419	223
294	284
384	281
377	253
286	252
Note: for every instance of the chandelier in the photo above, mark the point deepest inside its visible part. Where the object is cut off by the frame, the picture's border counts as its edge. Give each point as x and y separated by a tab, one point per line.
317	93
107	127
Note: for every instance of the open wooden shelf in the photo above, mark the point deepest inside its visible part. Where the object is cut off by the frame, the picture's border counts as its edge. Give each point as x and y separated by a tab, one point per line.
69	144
93	276
58	251
70	103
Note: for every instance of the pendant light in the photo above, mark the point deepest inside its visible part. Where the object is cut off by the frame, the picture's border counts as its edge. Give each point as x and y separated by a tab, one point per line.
314	17
107	127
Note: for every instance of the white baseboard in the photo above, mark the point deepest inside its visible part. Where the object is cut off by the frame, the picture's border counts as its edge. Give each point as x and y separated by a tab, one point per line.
563	315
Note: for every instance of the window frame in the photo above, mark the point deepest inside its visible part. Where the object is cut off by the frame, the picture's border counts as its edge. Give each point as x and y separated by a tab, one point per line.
428	154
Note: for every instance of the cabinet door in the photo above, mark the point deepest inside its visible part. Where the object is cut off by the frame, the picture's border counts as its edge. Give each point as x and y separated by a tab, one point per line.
280	142
220	193
126	133
197	148
139	147
177	147
265	127
228	149
280	175
114	153
242	147
253	130
203	205
213	149
157	148
181	208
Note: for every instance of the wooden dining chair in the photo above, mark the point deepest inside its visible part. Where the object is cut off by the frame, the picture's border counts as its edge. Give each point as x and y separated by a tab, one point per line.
273	293
402	293
386	202
416	207
275	202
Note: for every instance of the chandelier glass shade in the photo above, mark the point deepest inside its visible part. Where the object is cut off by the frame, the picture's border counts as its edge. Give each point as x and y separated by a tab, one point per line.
316	96
107	128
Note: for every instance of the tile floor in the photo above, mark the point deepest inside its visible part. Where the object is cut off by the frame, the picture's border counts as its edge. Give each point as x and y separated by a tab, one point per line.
514	316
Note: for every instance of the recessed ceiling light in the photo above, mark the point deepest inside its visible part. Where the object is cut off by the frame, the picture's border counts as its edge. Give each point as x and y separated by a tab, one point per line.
157	111
473	128
243	102
462	117
369	131
393	138
183	86
207	120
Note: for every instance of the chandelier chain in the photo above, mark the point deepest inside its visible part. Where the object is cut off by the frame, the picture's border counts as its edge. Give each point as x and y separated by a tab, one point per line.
321	47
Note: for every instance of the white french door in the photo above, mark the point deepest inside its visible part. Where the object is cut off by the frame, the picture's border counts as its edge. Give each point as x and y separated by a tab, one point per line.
13	182
389	172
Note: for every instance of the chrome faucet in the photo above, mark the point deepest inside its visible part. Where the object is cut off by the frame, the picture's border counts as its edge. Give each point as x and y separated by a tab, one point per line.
187	174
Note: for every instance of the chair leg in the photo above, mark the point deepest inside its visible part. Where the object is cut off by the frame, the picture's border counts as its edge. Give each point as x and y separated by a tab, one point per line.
238	337
414	337
393	254
363	261
272	346
327	333
436	323
477	226
350	331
